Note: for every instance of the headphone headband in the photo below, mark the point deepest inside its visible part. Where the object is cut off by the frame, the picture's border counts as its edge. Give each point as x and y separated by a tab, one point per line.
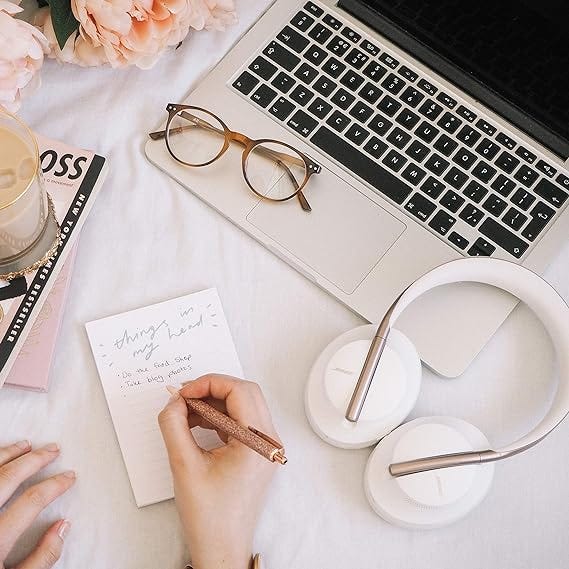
532	290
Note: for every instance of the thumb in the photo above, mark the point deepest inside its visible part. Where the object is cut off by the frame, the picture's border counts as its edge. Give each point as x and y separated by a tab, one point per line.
48	550
182	448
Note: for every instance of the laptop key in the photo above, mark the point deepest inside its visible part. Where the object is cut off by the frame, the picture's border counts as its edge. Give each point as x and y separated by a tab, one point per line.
442	222
504	186
292	39
481	248
468	135
413	174
352	80
302	95
409	74
456	178
563	180
374	71
283	82
306	73
503	237
465	113
356	58
433	187
411	96
526	154
343	98
281	55
464	158
475	191
430	109
494	205
357	134
281	108
393	83
389	106
447	100
332	22
506	141
436	164
334	68
483	171
408	119
375	147
263	96
351	34
338	121
338	46
420	206
313	9
263	68
471	214
485	127
324	86
361	112
458	240
245	83
370	93
526	175
370	47
445	145
394	160
507	162
452	201
302	123
389	60
514	218
450	123
523	199
541	215
488	149
551	192
399	138
417	151
320	108
380	125
427	132
320	33
429	88
361	165
315	55
546	168
302	21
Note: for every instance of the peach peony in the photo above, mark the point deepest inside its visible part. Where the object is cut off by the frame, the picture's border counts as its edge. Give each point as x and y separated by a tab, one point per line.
22	48
134	32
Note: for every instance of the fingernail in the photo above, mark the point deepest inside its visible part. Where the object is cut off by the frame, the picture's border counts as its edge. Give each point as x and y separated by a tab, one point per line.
52	447
24	445
63	529
173	392
70	474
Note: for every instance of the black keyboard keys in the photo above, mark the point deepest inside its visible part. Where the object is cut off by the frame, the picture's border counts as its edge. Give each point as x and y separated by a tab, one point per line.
411	96
450	123
374	71
302	123
334	68
361	112
442	222
471	214
357	134
320	108
352	80
503	237
389	106
546	168
437	164
475	191
394	160
420	206
465	113
389	60
343	99
417	151
320	33
263	96
427	132
514	218
338	121
370	93
432	187
302	95
351	34
356	58
281	108
481	248
468	135
458	240
506	141
483	171
334	23
446	100
523	199
283	82
313	9
245	83
494	205
398	138
292	39
324	86
452	201
507	162
504	186
393	83
430	109
429	88
446	145
541	215
464	158
526	154
375	147
413	174
563	180
263	68
487	149
526	175
315	55
306	73
486	128
380	125
407	118
338	46
302	21
551	192
456	178
281	55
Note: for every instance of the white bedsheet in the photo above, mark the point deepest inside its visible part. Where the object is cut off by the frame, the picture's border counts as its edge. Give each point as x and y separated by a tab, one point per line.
148	240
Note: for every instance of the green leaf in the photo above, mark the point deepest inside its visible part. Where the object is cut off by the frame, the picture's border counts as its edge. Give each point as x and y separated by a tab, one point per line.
64	22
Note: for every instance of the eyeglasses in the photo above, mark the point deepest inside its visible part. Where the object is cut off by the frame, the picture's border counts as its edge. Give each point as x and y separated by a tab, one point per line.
274	170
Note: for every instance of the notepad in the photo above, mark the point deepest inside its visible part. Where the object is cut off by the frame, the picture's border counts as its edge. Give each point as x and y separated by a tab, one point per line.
137	354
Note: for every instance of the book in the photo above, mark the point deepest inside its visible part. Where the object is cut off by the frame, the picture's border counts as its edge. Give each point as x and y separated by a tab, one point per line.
31	370
137	354
73	178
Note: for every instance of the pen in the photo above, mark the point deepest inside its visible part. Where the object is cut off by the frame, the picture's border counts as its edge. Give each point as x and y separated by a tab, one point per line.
253	438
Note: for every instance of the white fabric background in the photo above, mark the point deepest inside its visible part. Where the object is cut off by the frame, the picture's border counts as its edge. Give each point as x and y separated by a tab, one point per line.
148	240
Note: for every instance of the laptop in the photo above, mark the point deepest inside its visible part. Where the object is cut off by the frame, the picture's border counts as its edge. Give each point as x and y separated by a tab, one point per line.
442	131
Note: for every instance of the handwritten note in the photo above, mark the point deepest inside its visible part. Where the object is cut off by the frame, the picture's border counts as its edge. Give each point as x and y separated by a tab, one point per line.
137	354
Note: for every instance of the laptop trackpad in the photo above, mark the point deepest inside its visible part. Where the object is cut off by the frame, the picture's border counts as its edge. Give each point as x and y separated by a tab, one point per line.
342	238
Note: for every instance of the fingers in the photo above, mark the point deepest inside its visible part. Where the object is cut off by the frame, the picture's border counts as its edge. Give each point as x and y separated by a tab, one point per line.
19	515
244	400
48	550
180	443
14	451
20	469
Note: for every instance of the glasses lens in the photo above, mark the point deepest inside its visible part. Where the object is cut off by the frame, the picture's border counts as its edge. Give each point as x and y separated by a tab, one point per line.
195	137
275	171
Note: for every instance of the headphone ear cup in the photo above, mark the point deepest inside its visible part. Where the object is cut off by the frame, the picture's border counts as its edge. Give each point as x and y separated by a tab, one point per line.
432	499
392	395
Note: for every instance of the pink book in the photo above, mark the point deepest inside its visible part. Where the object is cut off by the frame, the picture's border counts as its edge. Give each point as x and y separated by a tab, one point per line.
32	367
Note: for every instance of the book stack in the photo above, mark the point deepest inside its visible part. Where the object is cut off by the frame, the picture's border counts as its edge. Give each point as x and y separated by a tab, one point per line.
32	306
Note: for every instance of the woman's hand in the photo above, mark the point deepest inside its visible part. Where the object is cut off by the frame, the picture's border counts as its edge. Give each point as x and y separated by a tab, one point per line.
17	463
219	493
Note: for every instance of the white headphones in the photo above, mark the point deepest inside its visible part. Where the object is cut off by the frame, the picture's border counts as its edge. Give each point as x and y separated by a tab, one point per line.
434	470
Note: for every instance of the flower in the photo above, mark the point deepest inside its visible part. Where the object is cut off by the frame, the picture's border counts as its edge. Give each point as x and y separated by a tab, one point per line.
22	47
134	32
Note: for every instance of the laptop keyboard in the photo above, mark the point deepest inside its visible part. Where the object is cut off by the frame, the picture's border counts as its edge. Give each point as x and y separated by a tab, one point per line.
442	163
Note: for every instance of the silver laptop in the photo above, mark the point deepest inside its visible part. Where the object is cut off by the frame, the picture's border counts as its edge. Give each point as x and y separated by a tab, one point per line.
442	131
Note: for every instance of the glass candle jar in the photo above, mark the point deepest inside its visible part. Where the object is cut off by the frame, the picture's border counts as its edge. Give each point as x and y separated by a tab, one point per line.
29	233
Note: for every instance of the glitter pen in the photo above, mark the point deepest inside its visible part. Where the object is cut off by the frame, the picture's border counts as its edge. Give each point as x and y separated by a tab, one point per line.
253	438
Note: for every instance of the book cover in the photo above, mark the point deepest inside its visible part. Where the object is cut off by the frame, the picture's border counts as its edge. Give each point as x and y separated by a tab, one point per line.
31	370
73	177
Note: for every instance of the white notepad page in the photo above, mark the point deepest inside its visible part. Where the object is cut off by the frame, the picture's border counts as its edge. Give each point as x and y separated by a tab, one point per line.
137	354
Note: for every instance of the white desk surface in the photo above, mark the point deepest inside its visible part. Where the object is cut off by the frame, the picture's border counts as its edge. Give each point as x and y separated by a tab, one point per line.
148	240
